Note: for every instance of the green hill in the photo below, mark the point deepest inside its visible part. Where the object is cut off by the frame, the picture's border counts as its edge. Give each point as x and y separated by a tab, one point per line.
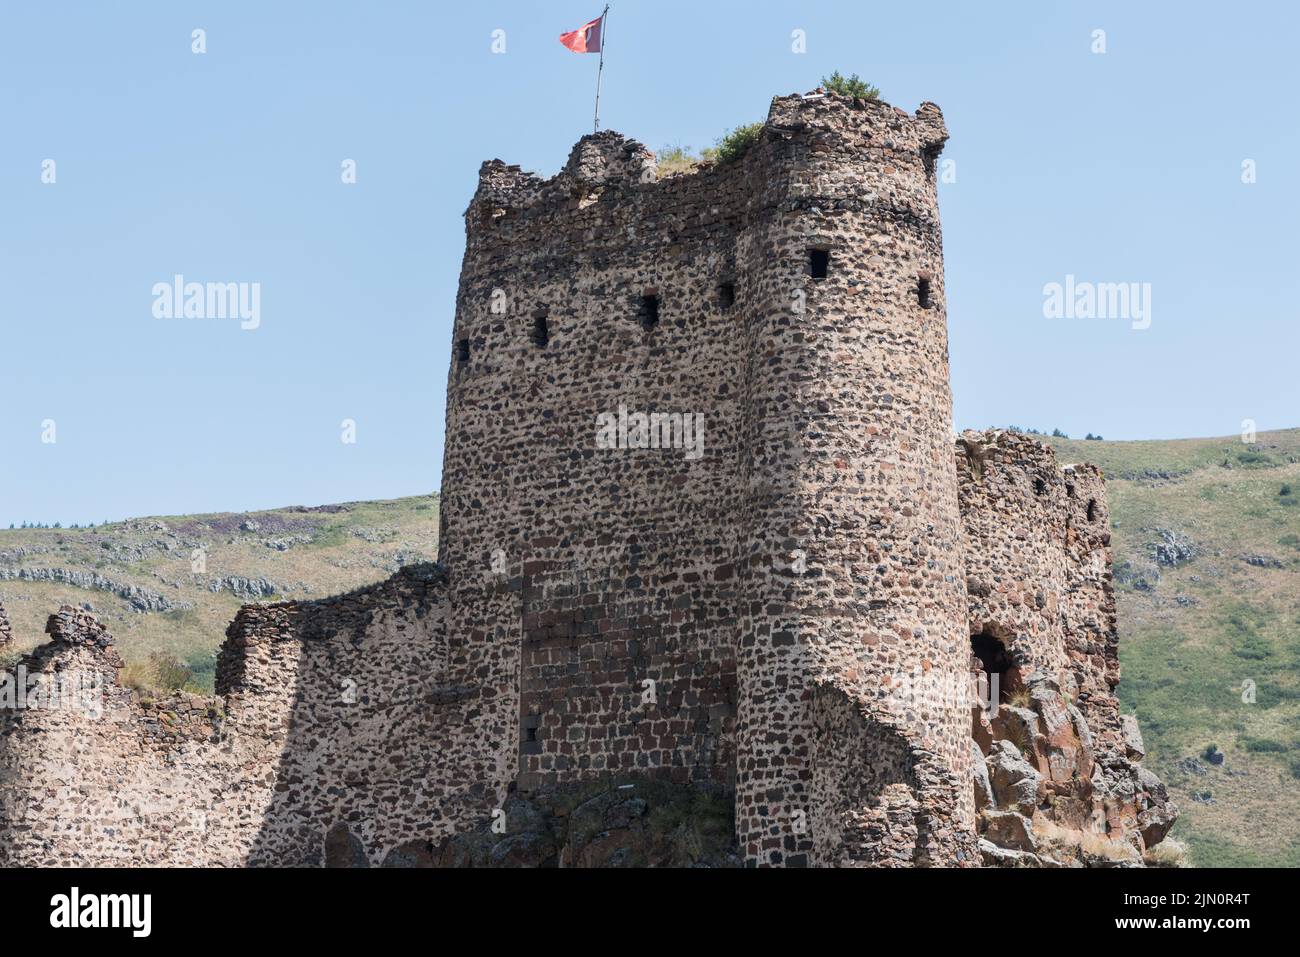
1207	574
1207	558
140	578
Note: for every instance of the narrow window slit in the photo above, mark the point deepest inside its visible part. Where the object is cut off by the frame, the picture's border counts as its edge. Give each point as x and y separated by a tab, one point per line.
541	331
462	350
649	312
726	295
923	289
819	262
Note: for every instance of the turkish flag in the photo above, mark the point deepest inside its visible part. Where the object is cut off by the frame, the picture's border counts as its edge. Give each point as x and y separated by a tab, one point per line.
585	39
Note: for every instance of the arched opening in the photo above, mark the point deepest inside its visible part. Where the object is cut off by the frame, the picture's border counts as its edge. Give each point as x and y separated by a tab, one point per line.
343	848
998	676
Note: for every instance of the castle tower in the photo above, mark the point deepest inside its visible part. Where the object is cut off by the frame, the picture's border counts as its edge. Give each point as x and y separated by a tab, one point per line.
853	650
759	584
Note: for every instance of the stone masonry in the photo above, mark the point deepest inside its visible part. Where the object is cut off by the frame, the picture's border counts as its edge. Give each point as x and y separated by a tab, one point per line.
703	526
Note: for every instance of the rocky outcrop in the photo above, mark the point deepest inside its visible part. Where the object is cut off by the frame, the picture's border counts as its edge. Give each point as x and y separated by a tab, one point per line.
1173	548
6	633
1047	799
139	599
248	589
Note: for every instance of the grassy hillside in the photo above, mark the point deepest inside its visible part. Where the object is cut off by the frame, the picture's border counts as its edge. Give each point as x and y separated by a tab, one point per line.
1202	620
138	576
1215	607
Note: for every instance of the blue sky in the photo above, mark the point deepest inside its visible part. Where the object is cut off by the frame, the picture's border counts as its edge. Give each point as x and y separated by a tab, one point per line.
225	166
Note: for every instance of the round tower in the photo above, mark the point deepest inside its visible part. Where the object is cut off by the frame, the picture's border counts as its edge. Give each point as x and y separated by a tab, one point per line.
853	728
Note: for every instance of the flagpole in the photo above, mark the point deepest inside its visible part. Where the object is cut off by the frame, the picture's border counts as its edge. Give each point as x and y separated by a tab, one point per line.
601	69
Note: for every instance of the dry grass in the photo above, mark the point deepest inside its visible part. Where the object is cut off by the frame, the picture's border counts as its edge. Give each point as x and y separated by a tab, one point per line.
1070	843
1170	852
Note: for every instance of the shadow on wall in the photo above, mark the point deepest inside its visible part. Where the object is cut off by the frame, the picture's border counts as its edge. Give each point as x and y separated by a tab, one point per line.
373	769
878	799
865	807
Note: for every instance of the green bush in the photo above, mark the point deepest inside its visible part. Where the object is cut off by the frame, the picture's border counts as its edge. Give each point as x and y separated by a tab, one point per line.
850	86
172	673
734	144
1263	745
1255	460
1252	648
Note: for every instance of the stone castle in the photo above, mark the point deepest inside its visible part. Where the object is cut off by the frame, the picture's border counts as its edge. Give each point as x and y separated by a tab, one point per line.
705	530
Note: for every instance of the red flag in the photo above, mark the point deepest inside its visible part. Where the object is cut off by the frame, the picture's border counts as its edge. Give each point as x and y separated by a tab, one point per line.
585	39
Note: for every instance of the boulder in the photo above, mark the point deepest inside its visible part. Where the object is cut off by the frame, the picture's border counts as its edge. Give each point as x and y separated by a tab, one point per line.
980	774
995	856
1133	744
1009	829
1015	782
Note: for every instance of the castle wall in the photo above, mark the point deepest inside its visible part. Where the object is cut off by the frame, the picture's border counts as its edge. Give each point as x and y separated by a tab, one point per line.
343	733
1037	542
624	623
89	776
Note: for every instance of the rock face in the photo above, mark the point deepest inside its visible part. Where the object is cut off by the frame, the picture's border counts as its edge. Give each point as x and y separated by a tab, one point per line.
6	634
249	589
705	536
140	599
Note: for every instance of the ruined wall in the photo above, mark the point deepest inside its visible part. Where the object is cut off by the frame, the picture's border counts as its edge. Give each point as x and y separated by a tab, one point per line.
90	775
343	732
1057	779
1037	542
